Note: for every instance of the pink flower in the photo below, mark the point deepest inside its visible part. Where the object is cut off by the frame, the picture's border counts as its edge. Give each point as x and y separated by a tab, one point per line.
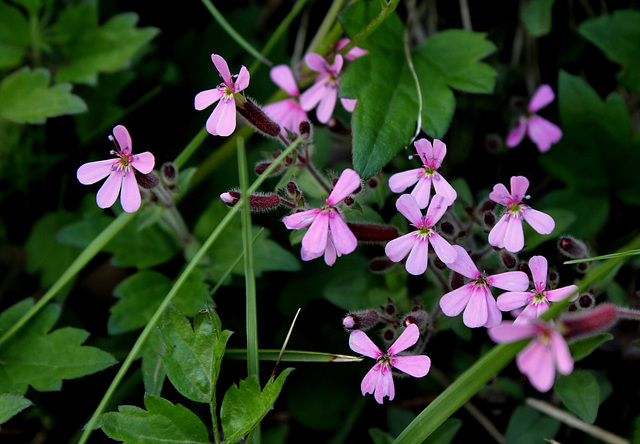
325	89
222	121
288	112
416	244
475	298
537	300
379	379
328	233
507	233
431	156
542	132
353	53
120	172
540	359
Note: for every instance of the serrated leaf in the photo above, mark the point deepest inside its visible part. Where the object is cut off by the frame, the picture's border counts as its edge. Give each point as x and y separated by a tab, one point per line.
527	426
26	97
584	347
11	405
536	16
14	36
192	357
42	359
161	422
244	405
618	36
579	391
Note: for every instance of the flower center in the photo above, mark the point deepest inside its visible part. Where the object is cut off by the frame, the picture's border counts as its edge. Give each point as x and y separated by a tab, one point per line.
481	280
429	171
539	297
515	209
384	360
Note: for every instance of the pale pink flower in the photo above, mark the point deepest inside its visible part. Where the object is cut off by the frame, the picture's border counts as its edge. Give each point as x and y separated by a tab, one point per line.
475	298
379	380
508	233
542	132
536	300
120	172
431	156
222	121
328	233
288	112
353	53
324	92
540	359
416	244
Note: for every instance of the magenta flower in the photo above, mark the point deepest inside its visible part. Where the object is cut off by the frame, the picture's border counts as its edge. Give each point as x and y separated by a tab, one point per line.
222	121
328	233
431	156
288	112
379	380
324	92
120	172
416	244
508	233
542	132
537	300
540	359
475	298
353	53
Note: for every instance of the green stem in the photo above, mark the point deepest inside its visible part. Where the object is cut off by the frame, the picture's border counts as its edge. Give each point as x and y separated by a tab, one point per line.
214	417
325	26
386	11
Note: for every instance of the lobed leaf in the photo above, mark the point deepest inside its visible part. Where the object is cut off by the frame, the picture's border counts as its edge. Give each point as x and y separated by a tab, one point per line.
11	405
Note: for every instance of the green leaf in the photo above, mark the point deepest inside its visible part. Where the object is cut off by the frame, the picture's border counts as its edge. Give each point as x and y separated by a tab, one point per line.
192	357
14	36
590	210
579	391
153	373
162	422
618	36
445	433
25	97
379	436
527	426
244	405
536	17
584	347
32	6
93	49
42	359
11	405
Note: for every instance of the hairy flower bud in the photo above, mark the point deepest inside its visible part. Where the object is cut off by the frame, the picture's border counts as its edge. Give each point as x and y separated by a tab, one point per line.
493	142
258	202
586	300
508	259
457	280
487	205
305	130
418	317
147	181
447	229
572	247
361	320
373	232
169	174
258	118
380	264
489	219
590	321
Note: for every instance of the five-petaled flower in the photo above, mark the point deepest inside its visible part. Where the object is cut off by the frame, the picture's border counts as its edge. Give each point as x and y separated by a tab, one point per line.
379	380
324	92
431	156
120	172
222	121
508	233
288	112
416	244
540	359
536	300
475	298
328	233
542	132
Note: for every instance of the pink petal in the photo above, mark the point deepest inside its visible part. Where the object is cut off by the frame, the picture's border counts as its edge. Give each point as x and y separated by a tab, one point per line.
407	205
436	210
543	133
530	312
355	53
94	171
561	354
517	134
541	98
407	339
439	151
207	98
283	77
370	380
498	232
444	188
327	104
476	313
330	252
401	181
455	301
242	81
348	104
223	68
424	150
519	187
397	249
300	220
562	293
422	191
463	264
123	138
509	280
507	332
513	299
226	117
348	182
514	236
539	221
384	386
338	61
316	62
143	162
315	240
539	268
445	252
313	95
344	240
416	366
418	257
212	121
108	192
130	195
308	256
500	194
536	362
359	342
494	315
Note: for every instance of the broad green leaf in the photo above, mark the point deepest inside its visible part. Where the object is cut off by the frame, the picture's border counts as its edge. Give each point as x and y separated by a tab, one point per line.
14	36
26	97
192	356
42	359
536	16
527	426
579	391
584	347
160	423
618	36
153	373
244	405
141	294
11	405
590	210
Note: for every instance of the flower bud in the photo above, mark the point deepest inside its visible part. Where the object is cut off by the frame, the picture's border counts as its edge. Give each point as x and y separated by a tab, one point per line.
524	267
373	182
447	228
258	119
380	264
572	247
590	321
439	264
586	300
373	232
553	279
489	219
390	309
418	317
348	201
457	280
305	130
388	334
493	142
487	205
361	320
509	260
147	181
169	174
258	203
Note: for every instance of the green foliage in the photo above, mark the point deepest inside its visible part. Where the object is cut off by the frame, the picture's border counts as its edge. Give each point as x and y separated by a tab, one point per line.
579	391
192	357
584	347
536	16
153	372
161	422
618	36
11	405
527	426
14	36
26	97
244	405
42	359
445	433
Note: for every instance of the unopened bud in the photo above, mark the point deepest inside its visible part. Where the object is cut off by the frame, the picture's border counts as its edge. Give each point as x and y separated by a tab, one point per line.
258	203
489	219
262	166
348	201
305	129
493	142
553	279
487	205
373	232
509	260
258	118
373	182
447	228
169	174
583	267
586	300
572	247
147	181
457	280
388	334
390	309
361	320
590	321
418	317
524	267
439	264
380	264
